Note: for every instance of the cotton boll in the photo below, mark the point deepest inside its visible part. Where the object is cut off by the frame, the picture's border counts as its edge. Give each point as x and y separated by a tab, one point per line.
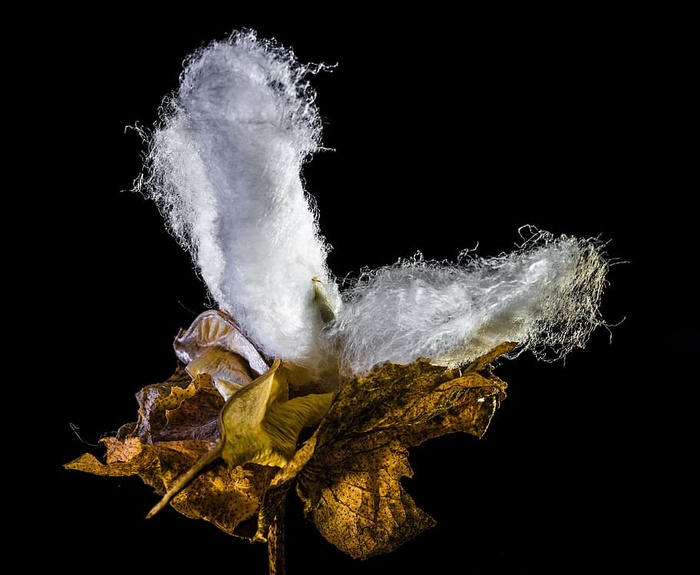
224	167
543	296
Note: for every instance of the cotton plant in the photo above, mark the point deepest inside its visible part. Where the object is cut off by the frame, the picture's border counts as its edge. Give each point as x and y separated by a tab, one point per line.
293	375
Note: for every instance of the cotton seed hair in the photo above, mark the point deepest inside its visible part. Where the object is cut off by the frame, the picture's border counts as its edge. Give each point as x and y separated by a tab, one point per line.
224	167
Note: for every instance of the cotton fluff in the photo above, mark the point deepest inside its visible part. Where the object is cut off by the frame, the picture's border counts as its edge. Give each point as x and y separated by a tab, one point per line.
224	165
544	296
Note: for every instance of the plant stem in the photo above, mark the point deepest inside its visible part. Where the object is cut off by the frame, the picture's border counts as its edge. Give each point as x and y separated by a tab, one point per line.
275	543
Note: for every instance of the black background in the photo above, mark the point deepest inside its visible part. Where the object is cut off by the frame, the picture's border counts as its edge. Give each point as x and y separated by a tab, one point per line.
450	130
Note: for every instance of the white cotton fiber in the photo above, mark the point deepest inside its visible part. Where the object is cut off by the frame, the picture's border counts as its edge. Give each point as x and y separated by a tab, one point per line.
224	167
544	296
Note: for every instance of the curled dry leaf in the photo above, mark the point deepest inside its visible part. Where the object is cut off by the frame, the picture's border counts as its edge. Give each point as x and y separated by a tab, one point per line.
221	443
348	476
178	425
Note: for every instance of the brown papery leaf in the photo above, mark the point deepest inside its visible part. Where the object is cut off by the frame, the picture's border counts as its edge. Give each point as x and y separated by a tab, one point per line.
228	498
178	425
351	486
216	328
180	408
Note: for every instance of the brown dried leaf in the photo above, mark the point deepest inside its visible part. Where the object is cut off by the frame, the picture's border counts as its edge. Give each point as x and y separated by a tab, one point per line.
124	458
230	499
351	485
180	408
177	426
361	507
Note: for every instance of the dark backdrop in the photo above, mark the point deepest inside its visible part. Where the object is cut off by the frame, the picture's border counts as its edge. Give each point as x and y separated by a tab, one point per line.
450	130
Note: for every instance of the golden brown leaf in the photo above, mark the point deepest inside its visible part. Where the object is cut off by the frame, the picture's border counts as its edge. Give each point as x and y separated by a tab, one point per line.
178	425
351	484
226	498
180	408
123	458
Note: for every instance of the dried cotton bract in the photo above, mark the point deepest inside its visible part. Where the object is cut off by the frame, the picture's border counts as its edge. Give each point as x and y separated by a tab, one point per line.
224	166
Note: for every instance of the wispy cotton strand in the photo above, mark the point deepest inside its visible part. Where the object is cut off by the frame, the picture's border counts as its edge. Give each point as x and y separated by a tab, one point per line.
224	168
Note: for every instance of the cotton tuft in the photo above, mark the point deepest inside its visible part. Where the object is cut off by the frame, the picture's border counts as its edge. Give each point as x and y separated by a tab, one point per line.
224	167
544	296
